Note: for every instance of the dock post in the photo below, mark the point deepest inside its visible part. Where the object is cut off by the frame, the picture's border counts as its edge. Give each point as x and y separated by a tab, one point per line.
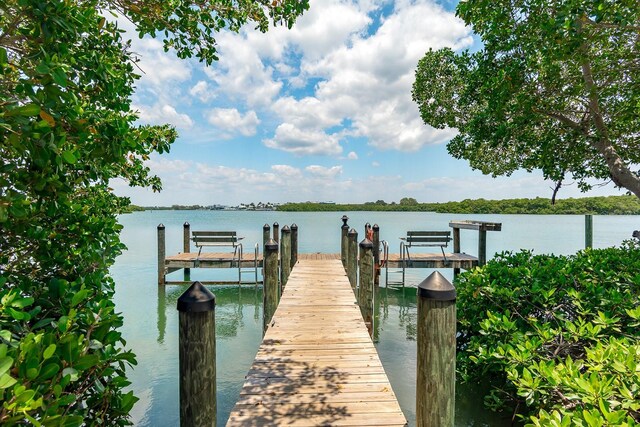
197	356
285	255
368	232
270	293
186	248
376	254
276	231
456	247
365	290
352	257
162	253
482	246
266	235
344	247
588	231
436	342
294	244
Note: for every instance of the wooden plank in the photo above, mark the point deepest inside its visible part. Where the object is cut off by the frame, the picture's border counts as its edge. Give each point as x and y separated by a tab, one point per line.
317	364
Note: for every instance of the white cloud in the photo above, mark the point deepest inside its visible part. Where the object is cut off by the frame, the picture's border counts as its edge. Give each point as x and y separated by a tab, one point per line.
231	120
294	140
163	113
375	164
202	91
324	172
287	171
352	155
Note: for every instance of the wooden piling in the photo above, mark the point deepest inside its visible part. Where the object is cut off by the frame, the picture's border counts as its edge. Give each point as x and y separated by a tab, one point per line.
162	253
588	231
352	257
436	342
186	246
271	291
365	289
285	255
456	247
197	357
344	247
276	232
266	235
294	244
482	246
376	254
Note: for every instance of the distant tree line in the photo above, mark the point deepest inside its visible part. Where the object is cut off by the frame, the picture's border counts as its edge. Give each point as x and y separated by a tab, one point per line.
611	205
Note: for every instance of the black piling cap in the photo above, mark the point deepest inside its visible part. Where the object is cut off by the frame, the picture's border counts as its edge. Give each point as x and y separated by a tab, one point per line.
353	232
376	227
275	224
636	234
266	227
294	226
196	299
366	244
271	245
160	226
344	221
285	229
437	287
186	224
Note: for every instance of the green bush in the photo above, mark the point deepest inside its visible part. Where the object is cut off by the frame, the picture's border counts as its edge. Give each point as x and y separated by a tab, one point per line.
554	337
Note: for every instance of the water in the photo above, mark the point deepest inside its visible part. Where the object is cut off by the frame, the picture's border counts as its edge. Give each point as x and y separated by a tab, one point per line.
150	316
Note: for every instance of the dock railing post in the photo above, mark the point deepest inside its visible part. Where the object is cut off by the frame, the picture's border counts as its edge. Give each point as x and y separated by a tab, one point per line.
162	253
352	257
271	292
294	244
456	247
376	254
365	290
482	246
276	232
588	231
186	247
285	255
344	247
197	356
436	342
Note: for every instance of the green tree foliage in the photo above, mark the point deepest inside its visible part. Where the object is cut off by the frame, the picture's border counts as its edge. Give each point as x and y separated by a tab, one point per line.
612	205
556	338
554	88
66	129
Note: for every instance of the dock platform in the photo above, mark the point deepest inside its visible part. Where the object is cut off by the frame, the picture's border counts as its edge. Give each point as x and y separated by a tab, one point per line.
317	364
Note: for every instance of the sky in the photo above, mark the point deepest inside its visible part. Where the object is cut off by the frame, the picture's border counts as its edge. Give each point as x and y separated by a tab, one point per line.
321	112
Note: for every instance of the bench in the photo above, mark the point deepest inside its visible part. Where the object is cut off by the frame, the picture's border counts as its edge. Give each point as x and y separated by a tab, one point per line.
425	238
216	238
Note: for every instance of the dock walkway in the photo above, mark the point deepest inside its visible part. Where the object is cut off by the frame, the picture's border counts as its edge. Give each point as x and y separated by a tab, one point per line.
317	365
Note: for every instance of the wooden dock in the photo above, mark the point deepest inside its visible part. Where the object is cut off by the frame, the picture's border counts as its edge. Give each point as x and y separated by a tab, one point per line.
317	365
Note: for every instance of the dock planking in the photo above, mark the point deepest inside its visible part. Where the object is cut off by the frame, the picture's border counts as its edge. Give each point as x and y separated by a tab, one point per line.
317	365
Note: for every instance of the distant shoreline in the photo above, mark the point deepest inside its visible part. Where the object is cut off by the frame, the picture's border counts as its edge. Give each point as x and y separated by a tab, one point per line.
609	205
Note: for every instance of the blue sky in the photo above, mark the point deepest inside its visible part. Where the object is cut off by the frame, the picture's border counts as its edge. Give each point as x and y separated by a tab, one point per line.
321	112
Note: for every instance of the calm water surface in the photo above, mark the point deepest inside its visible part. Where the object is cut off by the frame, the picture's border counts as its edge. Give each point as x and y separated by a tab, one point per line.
151	318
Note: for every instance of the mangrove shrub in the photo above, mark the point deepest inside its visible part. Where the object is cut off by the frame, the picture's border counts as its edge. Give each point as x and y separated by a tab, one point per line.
555	338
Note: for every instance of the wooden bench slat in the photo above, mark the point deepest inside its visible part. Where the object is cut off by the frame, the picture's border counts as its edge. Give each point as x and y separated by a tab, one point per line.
213	233
428	233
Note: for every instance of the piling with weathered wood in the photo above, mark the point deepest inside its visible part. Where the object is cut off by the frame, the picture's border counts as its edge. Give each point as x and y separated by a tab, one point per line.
588	231
482	246
294	244
285	255
186	246
352	257
266	235
376	254
162	253
276	231
436	342
344	247
271	291
365	289
456	247
197	356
